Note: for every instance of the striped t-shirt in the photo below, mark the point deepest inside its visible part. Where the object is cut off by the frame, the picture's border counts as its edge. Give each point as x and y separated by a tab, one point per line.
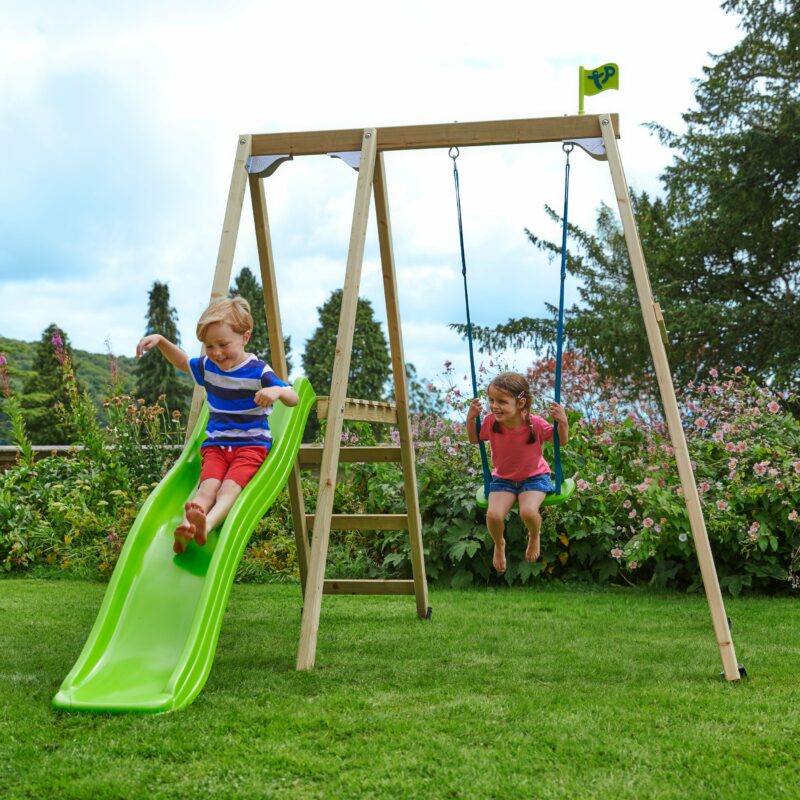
235	420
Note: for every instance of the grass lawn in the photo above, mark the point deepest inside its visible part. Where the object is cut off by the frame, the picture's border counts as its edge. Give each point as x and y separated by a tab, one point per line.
561	692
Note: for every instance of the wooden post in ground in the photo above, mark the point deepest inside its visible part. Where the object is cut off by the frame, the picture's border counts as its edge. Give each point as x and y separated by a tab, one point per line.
341	370
278	356
663	374
400	387
227	247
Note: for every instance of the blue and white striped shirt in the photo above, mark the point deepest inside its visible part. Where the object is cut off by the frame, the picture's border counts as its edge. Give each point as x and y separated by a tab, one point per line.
235	420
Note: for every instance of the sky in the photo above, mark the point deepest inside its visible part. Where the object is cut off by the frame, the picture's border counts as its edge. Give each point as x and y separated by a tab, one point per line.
119	124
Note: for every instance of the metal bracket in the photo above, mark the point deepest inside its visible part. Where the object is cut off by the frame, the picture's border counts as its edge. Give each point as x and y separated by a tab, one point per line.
264	166
662	327
351	157
594	147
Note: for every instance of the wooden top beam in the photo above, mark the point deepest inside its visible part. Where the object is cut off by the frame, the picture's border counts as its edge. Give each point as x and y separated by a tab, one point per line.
418	137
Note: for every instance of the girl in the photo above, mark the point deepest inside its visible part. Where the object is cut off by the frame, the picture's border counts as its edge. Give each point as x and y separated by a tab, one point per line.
520	472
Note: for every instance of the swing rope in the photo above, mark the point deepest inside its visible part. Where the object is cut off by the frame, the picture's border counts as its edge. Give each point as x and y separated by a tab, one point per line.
567	148
487	477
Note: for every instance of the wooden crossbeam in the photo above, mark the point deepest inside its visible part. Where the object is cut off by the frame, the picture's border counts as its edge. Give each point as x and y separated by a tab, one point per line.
361	410
418	137
368	587
311	454
364	522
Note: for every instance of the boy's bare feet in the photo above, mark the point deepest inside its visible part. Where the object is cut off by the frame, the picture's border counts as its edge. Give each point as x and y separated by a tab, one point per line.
196	515
499	558
532	553
184	534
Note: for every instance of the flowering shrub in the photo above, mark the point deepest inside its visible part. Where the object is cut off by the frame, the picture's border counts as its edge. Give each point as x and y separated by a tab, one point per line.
74	512
627	521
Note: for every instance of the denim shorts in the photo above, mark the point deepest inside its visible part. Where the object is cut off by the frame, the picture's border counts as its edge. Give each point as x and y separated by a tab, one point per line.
536	483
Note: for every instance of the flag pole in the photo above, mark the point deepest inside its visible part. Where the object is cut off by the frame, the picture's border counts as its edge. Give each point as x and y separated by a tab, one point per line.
580	90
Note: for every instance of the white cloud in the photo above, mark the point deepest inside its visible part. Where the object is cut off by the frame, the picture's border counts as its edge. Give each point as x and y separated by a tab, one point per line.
120	123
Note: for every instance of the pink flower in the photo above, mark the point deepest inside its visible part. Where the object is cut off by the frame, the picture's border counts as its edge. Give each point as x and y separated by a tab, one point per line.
647	522
717	436
741	446
444	441
701	423
614	487
582	485
793	515
737	370
732	463
722	505
713	373
632	513
704	486
796	465
600	479
626	504
753	531
774	407
760	468
730	447
633	564
605	439
616	552
657	528
3	360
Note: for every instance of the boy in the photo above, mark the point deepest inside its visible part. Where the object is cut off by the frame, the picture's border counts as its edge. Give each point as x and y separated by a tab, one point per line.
241	390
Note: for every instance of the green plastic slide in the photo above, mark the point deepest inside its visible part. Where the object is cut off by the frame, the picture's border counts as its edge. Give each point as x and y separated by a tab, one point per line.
153	642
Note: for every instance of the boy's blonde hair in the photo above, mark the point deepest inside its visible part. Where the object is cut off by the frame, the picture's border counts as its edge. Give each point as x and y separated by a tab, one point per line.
235	311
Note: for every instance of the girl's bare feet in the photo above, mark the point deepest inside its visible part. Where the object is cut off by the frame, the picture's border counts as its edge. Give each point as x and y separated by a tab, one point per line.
184	534
196	516
499	557
532	552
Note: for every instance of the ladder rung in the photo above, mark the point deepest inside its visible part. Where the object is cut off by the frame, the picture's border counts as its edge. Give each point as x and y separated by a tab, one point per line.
335	586
364	522
312	454
361	410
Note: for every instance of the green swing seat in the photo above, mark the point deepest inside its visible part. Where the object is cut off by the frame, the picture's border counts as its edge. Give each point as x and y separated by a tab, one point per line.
567	490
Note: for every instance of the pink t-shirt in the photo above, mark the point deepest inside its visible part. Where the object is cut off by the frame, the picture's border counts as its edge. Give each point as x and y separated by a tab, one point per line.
513	457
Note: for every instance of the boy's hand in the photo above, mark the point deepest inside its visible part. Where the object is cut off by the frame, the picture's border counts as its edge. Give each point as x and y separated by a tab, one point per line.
475	409
147	343
558	414
267	396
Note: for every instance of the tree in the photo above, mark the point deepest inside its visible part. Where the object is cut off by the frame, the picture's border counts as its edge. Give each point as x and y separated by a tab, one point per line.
369	364
723	245
44	392
246	285
155	376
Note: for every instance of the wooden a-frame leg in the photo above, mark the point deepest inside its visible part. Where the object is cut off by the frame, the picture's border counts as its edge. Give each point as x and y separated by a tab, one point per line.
278	356
227	247
400	388
664	376
341	370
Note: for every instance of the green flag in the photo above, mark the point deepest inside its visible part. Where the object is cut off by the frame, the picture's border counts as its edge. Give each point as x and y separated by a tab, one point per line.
594	81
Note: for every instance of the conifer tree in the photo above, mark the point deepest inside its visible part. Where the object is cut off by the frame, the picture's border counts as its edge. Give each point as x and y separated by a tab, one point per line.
155	376
44	392
247	286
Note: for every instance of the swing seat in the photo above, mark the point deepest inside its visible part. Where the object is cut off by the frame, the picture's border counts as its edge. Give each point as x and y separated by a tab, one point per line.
553	499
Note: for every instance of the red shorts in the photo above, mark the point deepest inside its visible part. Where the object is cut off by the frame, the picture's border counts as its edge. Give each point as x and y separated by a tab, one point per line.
237	464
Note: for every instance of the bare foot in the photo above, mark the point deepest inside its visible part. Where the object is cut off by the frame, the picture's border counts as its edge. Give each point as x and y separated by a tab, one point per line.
499	558
197	517
184	534
532	553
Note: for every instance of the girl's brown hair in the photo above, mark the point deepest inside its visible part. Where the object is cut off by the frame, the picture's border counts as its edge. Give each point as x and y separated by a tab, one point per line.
518	387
